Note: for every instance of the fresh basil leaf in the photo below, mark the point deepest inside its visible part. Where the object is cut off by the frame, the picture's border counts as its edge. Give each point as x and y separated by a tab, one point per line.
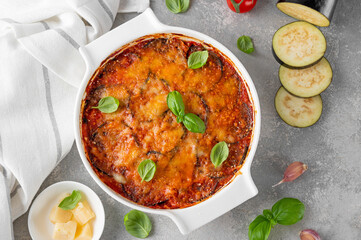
219	153
193	123
288	211
146	170
197	59
108	105
245	44
177	6
71	201
137	224
176	105
259	229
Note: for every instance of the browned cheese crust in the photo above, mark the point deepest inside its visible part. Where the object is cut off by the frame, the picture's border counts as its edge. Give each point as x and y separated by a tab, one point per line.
143	127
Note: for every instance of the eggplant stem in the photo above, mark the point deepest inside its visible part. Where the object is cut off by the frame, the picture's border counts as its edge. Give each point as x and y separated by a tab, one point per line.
282	181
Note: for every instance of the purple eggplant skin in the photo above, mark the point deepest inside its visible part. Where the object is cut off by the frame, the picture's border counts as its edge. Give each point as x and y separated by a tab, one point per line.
325	7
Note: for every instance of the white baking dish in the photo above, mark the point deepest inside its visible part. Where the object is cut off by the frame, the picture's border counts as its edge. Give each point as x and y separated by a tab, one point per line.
239	190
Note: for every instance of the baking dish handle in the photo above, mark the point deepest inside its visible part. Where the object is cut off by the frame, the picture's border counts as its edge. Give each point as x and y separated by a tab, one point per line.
95	52
188	219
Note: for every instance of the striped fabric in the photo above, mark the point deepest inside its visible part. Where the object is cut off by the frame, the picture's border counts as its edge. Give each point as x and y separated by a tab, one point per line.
40	70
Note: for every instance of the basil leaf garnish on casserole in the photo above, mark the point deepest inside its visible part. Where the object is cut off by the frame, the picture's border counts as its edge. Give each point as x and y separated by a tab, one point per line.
71	201
176	105
193	123
197	59
108	105
146	170
137	224
177	6
245	44
219	153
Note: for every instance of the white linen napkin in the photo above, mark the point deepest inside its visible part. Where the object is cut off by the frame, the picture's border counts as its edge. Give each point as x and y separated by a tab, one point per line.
40	70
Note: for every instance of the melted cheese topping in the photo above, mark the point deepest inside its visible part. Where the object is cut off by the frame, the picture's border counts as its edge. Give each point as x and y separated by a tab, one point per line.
143	127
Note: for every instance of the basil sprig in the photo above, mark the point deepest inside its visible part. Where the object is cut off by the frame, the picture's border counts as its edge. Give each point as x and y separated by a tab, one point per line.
197	59
177	6
219	153
245	44
108	104
286	211
146	170
71	201
137	224
191	121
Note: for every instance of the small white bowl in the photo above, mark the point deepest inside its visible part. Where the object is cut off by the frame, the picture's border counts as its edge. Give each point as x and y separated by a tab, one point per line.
39	225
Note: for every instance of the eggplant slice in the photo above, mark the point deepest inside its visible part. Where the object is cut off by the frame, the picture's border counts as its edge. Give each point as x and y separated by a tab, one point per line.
317	12
307	82
298	45
296	111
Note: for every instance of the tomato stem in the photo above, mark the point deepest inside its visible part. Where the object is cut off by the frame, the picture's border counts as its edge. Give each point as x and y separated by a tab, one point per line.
236	5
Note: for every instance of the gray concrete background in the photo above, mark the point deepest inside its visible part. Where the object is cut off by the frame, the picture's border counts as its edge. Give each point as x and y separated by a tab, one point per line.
331	189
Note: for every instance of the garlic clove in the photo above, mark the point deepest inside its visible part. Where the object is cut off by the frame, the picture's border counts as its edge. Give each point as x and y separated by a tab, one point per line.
309	234
293	171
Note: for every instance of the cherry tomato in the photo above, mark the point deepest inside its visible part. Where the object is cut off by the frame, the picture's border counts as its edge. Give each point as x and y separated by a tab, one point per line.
241	6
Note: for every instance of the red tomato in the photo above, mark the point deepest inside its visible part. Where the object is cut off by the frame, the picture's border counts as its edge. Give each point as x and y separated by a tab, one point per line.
241	6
